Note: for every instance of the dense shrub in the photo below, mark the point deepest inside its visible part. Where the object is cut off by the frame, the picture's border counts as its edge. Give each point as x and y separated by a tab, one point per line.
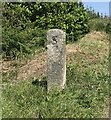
70	17
17	42
20	21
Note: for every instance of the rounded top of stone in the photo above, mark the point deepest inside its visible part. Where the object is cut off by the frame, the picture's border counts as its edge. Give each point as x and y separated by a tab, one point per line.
55	30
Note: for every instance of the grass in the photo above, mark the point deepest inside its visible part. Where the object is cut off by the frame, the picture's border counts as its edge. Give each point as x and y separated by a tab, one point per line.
85	95
98	24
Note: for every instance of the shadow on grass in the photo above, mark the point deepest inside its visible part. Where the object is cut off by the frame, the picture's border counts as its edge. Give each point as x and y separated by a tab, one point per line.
41	83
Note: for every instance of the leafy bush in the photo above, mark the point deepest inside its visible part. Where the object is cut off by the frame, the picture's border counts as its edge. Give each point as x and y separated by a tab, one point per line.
70	17
20	21
17	42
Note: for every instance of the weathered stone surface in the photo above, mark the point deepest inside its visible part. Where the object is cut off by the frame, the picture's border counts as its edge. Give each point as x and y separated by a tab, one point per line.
56	50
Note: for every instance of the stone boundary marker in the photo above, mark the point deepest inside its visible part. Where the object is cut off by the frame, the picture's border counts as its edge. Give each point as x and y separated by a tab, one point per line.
56	51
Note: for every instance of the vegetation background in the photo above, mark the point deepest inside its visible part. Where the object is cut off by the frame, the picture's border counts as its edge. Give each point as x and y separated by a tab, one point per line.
24	28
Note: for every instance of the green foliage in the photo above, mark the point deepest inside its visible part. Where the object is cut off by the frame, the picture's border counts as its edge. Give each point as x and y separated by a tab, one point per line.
20	20
14	15
71	17
17	42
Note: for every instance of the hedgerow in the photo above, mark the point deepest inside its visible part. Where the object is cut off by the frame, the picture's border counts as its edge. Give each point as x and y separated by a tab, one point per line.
20	20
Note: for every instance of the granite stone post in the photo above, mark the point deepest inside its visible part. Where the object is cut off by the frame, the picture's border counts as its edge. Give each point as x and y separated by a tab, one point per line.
56	51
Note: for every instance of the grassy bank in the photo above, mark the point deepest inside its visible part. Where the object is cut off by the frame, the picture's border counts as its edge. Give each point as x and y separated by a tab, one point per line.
86	93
